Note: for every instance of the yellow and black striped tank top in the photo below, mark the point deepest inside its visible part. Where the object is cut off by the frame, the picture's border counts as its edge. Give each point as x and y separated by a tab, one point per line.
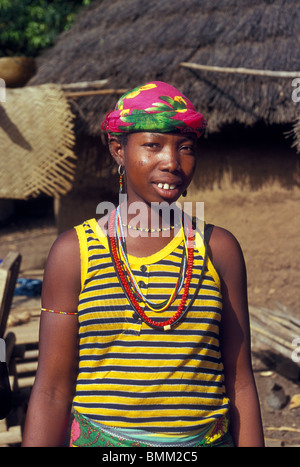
133	376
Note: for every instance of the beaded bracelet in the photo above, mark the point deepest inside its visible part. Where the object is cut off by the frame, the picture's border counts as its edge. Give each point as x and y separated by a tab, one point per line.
59	312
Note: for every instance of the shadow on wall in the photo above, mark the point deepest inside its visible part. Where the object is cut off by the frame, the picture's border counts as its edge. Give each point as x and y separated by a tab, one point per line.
249	158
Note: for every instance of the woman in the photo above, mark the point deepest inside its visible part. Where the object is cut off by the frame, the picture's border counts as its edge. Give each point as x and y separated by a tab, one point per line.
145	331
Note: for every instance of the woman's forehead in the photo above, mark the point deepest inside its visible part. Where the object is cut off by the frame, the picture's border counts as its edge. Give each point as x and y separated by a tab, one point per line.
162	136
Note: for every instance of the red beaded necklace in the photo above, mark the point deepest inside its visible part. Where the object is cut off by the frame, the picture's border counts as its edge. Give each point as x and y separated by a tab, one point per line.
165	325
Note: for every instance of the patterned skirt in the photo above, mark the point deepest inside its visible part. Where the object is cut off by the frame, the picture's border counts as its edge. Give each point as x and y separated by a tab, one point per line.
85	433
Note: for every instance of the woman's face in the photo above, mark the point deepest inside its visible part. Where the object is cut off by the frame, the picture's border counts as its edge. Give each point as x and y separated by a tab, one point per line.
159	166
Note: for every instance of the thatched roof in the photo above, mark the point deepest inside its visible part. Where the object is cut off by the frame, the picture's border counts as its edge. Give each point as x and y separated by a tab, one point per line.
134	41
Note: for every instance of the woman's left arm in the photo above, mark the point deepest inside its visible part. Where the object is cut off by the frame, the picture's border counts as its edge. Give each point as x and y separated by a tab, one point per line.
245	416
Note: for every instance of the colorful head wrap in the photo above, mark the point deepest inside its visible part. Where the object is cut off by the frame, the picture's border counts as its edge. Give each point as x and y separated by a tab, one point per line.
156	106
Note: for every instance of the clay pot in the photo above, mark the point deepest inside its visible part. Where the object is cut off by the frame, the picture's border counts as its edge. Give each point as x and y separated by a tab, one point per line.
16	71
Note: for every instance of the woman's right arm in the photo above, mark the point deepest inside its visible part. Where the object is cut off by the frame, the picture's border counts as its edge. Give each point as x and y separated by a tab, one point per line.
51	398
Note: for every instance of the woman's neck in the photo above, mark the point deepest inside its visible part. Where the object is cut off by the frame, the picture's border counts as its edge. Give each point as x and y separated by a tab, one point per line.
147	229
154	218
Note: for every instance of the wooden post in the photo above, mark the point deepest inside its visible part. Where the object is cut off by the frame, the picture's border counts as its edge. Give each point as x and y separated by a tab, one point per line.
9	270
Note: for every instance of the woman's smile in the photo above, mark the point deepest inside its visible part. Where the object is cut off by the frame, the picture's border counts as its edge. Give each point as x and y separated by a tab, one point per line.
164	162
168	191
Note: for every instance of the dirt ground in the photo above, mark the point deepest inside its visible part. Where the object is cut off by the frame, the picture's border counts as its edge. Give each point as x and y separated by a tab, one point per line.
267	227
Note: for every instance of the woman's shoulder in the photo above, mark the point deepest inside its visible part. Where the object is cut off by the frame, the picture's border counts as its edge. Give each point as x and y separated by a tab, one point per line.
221	236
61	281
64	254
66	243
224	249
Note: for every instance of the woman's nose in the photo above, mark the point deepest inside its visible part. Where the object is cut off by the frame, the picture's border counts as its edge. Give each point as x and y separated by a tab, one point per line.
170	159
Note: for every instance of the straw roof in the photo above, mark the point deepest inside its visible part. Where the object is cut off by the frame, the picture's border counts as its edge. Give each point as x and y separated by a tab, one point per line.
131	42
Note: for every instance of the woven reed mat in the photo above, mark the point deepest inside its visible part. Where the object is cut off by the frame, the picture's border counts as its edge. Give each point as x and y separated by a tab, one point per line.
36	141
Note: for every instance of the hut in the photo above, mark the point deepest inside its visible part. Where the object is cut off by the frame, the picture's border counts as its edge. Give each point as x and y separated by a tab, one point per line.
248	174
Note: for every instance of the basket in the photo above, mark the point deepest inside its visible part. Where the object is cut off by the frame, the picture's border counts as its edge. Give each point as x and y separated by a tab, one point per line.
36	141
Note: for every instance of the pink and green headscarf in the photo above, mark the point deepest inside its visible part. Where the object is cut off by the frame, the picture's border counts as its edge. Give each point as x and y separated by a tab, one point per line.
156	107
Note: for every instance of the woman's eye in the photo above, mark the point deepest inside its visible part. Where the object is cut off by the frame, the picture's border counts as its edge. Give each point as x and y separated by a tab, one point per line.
152	145
189	149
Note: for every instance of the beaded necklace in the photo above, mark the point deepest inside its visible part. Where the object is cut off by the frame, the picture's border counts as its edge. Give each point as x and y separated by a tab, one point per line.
122	250
181	311
163	229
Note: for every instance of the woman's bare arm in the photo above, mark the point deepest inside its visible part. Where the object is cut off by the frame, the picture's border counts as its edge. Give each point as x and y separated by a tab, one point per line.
245	417
50	402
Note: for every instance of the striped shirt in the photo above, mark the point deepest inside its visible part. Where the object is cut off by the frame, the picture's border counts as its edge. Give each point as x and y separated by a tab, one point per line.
133	376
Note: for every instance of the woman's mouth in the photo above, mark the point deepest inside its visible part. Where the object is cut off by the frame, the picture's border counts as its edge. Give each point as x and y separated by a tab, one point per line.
166	186
168	190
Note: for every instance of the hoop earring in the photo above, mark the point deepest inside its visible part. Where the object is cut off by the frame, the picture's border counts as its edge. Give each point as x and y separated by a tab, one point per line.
184	193
121	172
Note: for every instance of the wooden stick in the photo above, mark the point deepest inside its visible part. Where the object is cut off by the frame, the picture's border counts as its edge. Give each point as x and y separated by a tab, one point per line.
241	70
283	428
272	338
94	93
272	328
85	84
